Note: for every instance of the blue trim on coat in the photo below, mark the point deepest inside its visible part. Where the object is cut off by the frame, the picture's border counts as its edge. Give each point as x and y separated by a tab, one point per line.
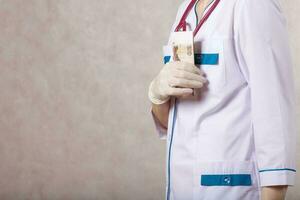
280	169
207	59
170	149
226	180
201	59
167	59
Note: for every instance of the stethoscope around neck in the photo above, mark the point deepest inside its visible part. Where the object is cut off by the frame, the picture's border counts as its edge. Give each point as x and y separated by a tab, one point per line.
182	23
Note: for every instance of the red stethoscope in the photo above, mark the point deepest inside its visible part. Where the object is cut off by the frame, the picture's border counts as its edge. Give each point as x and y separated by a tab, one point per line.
182	22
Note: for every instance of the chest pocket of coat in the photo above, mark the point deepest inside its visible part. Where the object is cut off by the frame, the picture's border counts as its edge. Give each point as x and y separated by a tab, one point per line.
209	56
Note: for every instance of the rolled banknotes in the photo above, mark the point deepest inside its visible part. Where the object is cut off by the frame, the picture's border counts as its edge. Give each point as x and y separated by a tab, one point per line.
182	44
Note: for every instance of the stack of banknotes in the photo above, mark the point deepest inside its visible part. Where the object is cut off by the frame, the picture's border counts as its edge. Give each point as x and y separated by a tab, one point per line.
182	44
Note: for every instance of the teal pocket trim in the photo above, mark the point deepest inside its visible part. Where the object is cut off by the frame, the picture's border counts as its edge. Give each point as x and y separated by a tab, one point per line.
282	169
201	59
226	180
207	59
167	59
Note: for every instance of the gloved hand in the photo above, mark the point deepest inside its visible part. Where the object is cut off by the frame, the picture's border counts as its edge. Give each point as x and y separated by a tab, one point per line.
175	79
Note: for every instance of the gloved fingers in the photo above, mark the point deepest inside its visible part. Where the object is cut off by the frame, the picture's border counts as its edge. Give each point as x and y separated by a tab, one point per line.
179	91
189	75
188	67
185	83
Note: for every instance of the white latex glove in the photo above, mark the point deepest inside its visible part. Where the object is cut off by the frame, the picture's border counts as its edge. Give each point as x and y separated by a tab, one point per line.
175	79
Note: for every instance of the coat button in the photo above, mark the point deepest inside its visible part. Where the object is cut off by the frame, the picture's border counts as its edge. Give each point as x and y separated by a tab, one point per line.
227	180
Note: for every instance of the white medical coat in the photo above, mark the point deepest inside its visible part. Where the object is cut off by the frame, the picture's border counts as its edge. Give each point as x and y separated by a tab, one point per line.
240	135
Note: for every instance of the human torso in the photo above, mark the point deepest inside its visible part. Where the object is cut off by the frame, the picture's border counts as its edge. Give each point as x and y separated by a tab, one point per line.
212	133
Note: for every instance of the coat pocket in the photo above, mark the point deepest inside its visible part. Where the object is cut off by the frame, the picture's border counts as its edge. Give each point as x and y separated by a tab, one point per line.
209	56
228	180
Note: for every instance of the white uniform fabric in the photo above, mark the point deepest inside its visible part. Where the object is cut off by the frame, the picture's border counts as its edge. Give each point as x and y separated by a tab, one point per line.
244	123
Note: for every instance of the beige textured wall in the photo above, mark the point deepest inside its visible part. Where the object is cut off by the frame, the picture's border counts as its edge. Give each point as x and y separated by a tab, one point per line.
74	113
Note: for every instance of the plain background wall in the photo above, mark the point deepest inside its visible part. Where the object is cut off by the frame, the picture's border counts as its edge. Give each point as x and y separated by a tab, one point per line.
74	115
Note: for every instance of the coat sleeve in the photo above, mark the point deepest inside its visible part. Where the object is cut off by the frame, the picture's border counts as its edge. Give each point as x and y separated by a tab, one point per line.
162	131
261	41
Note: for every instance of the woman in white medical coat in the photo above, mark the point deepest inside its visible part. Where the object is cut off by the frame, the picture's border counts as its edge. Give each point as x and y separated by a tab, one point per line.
237	140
